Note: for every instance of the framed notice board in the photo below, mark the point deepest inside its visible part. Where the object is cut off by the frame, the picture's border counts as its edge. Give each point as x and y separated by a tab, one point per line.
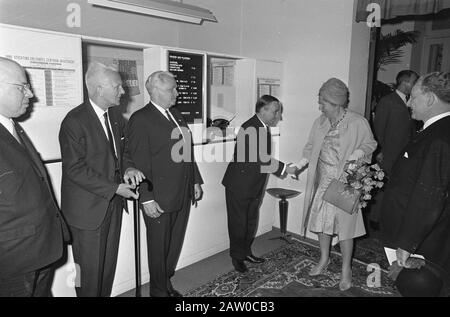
53	64
189	71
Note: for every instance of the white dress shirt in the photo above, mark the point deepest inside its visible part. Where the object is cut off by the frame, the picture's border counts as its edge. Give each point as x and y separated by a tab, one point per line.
268	130
100	114
402	95
163	111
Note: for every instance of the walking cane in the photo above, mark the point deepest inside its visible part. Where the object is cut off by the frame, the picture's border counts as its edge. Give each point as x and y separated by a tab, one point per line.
137	246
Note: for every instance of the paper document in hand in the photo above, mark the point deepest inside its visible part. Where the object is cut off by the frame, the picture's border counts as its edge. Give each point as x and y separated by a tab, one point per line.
391	255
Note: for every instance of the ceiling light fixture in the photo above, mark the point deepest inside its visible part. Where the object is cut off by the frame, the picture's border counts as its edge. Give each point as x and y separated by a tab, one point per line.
165	9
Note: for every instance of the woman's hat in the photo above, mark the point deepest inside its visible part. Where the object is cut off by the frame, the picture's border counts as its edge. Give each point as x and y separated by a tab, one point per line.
335	91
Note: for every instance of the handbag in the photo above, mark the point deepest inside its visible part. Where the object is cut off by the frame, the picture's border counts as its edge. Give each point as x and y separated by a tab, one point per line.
343	196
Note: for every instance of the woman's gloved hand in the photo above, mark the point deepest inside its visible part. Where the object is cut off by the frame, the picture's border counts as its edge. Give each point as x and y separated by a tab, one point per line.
356	155
301	166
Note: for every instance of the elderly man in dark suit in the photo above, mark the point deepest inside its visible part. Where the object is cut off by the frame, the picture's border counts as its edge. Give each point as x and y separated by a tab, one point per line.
393	128
415	216
155	132
97	175
246	176
31	227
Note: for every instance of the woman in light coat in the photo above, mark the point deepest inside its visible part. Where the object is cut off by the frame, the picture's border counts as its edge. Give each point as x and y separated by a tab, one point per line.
337	136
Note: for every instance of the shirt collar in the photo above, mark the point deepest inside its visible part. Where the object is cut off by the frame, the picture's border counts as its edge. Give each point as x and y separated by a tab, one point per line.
265	126
435	118
98	111
402	95
161	109
7	123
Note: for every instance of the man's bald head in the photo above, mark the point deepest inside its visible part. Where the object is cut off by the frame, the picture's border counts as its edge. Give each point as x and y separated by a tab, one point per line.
14	96
8	68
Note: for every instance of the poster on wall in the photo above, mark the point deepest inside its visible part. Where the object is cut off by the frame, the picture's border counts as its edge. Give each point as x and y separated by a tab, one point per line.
54	80
222	72
128	73
269	86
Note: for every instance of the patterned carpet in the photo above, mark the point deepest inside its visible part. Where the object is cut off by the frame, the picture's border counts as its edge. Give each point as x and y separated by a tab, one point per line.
285	274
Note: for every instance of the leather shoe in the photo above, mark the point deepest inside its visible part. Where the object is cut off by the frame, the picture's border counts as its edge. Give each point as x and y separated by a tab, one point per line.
239	265
174	293
254	259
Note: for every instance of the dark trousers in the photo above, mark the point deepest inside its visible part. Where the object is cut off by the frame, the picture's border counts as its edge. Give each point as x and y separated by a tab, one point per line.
95	254
34	284
243	217
165	236
376	206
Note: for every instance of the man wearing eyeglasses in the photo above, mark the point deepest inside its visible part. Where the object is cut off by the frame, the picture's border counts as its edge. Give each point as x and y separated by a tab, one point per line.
31	227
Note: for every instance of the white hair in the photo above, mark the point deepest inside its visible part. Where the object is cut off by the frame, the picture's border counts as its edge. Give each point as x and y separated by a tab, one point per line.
156	78
96	74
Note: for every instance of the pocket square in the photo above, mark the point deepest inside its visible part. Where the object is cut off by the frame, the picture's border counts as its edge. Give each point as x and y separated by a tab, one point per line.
406	155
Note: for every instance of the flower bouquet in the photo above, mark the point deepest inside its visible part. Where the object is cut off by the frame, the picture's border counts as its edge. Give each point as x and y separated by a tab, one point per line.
352	192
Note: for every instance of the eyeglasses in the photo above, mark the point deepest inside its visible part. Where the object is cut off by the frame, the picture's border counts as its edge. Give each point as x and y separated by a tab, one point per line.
24	88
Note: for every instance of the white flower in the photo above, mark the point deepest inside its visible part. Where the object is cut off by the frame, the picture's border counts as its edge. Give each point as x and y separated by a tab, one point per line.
357	185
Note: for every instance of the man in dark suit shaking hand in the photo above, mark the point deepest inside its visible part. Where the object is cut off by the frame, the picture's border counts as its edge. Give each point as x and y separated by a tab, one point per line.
415	216
31	238
153	133
97	175
246	176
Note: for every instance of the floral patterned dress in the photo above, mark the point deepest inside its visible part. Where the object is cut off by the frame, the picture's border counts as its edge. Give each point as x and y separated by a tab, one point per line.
324	217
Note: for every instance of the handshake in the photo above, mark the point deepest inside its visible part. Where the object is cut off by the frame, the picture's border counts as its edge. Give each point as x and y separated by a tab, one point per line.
297	169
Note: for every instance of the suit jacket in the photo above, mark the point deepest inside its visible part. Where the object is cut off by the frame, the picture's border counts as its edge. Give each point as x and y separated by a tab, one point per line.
393	128
416	208
252	162
150	144
89	168
30	223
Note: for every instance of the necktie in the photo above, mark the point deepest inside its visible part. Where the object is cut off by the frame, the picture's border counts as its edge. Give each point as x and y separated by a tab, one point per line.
110	136
269	141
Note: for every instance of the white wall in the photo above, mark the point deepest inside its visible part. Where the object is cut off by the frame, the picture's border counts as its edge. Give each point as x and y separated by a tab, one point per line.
313	40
